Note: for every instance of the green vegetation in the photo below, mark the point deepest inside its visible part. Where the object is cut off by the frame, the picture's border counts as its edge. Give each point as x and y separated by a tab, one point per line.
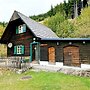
65	9
82	24
61	26
3	49
52	12
42	81
1	30
59	20
78	27
2	27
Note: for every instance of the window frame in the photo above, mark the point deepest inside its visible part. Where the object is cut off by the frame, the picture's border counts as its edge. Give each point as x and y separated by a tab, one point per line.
21	29
19	49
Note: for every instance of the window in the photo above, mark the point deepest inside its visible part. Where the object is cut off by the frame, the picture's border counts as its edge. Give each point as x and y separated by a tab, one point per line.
21	29
19	49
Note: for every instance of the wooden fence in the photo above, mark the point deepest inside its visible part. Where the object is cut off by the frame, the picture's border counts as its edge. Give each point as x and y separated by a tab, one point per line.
14	62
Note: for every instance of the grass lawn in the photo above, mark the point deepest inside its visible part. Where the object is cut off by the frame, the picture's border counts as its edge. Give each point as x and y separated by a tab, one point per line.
42	81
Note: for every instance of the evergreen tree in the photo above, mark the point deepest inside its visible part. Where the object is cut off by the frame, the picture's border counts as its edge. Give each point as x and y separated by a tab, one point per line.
51	12
79	7
85	3
65	7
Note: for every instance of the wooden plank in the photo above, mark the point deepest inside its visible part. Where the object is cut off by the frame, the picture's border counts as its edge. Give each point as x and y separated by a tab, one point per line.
71	56
51	52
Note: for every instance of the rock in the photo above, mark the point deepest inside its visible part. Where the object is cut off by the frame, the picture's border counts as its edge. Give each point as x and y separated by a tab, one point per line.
76	72
20	71
26	77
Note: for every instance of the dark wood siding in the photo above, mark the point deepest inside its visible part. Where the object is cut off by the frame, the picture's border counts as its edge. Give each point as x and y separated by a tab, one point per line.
85	53
71	56
20	39
84	50
44	52
44	55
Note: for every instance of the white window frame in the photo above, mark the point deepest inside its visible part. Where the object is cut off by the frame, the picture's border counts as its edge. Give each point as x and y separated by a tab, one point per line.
20	29
19	49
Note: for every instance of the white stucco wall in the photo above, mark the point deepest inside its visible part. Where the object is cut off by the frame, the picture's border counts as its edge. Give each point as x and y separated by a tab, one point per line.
60	64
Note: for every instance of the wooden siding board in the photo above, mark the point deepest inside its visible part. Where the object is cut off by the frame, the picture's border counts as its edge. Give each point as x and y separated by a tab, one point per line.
59	53
51	55
43	53
84	51
23	39
85	54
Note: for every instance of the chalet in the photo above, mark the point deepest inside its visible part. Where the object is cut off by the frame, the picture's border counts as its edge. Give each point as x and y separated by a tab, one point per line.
26	37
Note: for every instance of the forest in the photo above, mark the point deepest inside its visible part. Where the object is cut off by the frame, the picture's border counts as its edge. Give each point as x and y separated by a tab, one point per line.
68	19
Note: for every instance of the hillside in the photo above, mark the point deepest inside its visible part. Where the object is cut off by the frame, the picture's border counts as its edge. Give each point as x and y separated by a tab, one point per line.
1	30
58	18
77	27
2	27
82	24
50	13
3	49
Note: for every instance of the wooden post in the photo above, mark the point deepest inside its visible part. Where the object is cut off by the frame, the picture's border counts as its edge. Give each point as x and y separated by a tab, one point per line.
31	52
19	63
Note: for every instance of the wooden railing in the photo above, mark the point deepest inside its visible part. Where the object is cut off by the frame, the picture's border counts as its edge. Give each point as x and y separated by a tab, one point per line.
14	62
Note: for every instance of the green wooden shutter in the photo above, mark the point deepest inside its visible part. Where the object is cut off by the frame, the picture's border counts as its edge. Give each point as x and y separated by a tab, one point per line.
15	49
22	49
16	30
24	27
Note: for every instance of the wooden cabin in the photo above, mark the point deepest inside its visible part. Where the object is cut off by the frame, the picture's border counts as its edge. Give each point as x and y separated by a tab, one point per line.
26	37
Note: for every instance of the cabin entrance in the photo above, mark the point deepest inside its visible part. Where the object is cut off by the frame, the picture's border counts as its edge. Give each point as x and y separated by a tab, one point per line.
71	56
51	55
35	52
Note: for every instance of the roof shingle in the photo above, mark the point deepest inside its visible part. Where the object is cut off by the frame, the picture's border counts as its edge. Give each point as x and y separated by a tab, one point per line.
38	29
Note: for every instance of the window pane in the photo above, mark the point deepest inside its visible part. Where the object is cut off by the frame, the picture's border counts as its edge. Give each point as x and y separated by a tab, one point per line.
20	29
19	49
24	27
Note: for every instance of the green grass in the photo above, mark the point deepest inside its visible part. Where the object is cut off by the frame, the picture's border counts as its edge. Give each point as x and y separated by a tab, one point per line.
42	81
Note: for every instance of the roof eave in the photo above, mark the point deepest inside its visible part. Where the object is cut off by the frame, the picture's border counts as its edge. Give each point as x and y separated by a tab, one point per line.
65	39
